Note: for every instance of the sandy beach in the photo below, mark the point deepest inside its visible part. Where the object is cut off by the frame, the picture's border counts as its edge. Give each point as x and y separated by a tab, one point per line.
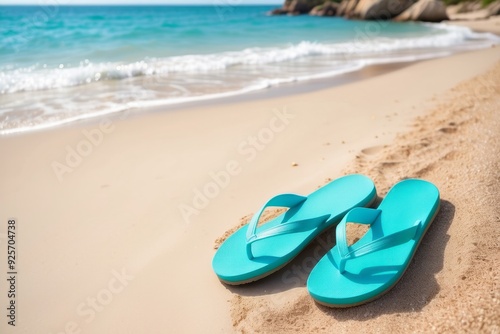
492	24
117	219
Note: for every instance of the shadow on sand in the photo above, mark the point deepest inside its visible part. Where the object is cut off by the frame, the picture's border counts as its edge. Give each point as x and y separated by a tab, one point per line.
415	289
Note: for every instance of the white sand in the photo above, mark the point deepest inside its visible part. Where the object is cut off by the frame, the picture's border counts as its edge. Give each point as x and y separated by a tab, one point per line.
118	210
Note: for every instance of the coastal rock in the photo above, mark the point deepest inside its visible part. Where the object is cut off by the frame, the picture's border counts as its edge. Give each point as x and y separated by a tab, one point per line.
327	9
470	16
425	10
464	7
494	8
470	6
279	11
454	9
484	13
346	8
297	7
381	9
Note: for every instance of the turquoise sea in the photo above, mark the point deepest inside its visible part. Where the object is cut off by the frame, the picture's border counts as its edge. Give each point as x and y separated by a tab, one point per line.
60	64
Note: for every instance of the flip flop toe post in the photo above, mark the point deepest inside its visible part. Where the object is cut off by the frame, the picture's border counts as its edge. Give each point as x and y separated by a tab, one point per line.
254	252
356	274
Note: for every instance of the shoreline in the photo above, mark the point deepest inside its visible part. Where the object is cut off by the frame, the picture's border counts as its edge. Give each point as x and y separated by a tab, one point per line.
491	25
280	90
118	208
118	217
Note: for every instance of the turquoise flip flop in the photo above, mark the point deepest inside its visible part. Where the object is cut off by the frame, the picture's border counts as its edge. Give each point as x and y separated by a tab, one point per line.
254	252
353	275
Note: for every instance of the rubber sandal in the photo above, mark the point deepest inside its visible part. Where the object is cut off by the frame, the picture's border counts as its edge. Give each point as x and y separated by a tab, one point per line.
353	275
254	252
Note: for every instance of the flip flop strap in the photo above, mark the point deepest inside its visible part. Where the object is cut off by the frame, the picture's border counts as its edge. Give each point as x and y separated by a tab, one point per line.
283	200
368	216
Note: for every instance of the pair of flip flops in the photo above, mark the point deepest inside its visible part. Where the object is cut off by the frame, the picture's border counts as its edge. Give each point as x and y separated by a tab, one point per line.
347	275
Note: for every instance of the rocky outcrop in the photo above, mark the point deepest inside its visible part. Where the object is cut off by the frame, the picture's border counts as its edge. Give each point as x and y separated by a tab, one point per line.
381	9
472	10
327	9
494	8
399	10
425	10
464	7
472	6
279	11
347	7
297	7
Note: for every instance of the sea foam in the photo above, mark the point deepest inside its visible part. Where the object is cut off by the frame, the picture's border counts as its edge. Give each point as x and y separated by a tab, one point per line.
39	77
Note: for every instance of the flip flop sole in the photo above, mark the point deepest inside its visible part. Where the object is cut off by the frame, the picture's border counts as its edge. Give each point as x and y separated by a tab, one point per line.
373	266
232	263
282	266
389	288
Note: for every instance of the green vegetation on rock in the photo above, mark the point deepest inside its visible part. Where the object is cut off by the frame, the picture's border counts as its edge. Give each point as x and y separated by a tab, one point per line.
455	2
487	2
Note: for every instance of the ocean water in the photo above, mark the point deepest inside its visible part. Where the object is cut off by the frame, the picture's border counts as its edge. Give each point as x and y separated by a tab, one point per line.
60	64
